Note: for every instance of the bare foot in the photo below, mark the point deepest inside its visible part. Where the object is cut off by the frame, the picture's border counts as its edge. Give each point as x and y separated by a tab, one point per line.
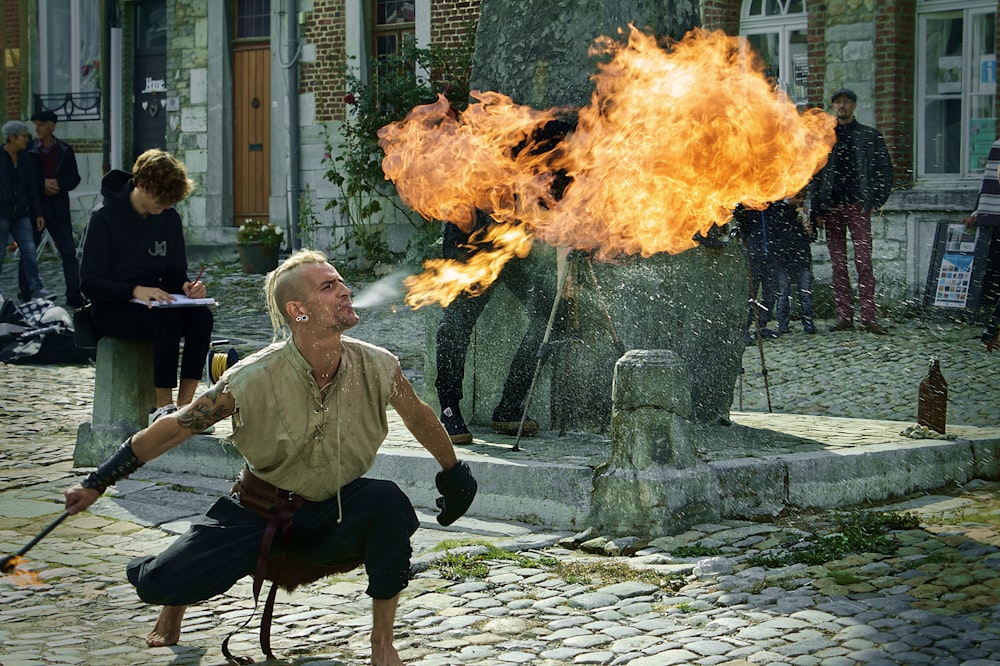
167	630
384	654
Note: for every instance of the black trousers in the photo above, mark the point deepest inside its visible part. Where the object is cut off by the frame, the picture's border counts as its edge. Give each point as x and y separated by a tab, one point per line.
535	292
989	295
60	227
165	327
763	280
214	553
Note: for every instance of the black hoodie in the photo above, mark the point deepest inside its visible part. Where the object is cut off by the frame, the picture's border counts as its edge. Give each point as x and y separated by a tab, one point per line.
124	250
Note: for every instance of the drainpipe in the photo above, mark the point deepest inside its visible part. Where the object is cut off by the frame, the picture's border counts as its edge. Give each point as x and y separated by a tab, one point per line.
110	61
292	95
116	114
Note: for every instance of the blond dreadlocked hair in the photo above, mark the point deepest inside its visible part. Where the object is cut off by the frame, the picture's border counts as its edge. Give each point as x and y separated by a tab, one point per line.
281	287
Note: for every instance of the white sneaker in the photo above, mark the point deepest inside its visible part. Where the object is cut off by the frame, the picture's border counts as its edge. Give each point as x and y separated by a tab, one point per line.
160	411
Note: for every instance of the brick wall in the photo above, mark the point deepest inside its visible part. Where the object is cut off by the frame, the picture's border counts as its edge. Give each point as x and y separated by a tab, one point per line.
450	19
722	15
326	31
895	26
324	76
816	50
13	92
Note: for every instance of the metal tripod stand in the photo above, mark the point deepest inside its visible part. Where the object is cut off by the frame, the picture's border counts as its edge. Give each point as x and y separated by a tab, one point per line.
760	344
569	265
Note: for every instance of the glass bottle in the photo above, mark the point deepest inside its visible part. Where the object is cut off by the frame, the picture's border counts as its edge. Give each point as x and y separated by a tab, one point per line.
932	403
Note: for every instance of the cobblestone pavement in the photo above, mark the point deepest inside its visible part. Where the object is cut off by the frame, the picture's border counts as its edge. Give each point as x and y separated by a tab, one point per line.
807	589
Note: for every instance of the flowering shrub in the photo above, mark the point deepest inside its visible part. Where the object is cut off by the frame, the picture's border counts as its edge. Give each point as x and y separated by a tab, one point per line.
259	231
391	90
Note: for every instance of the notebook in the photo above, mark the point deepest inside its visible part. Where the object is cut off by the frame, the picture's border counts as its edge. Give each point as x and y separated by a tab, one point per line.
180	301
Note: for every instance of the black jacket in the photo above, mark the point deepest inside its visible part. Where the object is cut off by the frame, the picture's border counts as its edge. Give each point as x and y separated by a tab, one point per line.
67	175
124	250
867	159
21	187
774	235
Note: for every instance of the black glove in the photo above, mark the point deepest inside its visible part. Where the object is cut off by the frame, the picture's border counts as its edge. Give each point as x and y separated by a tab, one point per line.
458	489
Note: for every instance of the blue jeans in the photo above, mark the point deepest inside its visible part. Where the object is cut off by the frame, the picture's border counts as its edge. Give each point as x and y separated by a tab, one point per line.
21	229
803	283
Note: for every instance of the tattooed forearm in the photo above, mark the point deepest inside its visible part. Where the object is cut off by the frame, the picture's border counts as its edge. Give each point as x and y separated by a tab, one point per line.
198	416
212	406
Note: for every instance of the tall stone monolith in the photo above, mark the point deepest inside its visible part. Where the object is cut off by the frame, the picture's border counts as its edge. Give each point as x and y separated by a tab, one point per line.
694	303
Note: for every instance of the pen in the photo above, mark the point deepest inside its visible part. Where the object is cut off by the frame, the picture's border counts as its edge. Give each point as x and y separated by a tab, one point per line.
201	272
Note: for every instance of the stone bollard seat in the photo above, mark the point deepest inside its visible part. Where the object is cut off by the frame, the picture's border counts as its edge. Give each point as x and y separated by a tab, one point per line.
123	395
123	385
653	482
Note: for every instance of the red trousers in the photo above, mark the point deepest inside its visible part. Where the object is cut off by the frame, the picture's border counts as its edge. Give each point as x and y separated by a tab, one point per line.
838	221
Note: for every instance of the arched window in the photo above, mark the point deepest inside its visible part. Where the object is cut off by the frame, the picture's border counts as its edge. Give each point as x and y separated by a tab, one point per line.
777	31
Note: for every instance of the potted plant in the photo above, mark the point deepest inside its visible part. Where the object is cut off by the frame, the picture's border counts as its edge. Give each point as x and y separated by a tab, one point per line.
258	243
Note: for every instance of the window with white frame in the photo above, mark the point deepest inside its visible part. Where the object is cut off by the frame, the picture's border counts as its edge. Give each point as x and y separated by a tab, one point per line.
392	24
956	87
776	29
69	33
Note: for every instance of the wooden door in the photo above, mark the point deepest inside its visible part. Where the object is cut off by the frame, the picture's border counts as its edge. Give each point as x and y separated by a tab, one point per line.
251	132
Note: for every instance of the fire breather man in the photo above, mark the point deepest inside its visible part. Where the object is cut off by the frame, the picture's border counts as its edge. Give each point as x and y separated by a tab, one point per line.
309	415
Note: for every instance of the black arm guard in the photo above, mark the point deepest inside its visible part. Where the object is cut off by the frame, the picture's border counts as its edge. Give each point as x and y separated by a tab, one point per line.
458	489
121	463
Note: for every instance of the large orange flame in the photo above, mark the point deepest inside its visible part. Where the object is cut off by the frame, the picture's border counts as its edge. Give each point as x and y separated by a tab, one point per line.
445	167
672	140
444	279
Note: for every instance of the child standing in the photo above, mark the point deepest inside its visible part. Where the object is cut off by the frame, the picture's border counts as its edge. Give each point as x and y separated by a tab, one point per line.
791	236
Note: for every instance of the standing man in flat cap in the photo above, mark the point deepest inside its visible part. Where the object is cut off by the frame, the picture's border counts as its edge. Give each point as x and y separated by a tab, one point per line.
856	180
60	175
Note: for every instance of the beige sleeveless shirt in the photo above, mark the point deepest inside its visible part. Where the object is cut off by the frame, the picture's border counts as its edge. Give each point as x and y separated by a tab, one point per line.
292	438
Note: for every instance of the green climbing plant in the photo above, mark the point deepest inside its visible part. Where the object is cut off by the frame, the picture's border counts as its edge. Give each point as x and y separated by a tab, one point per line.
353	159
308	220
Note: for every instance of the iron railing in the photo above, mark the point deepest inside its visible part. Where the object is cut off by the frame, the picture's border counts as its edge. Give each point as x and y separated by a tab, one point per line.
71	106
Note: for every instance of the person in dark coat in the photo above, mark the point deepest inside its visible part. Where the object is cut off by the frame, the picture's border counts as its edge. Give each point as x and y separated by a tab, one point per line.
59	176
986	217
755	229
134	257
21	203
792	238
535	292
856	180
454	335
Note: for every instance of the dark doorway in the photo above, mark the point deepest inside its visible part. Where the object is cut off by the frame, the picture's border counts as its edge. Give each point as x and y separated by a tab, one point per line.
149	112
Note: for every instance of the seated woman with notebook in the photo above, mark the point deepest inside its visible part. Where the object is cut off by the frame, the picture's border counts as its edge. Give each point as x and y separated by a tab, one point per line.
134	258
